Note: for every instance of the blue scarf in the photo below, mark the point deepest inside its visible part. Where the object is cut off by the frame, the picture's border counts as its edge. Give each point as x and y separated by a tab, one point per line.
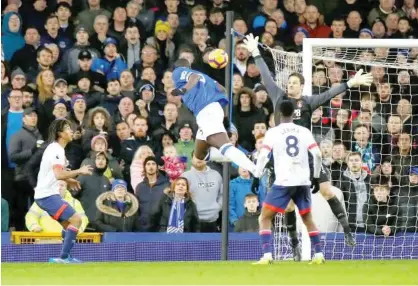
176	220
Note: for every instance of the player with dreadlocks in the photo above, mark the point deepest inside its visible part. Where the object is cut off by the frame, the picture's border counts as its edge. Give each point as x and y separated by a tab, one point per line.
47	195
303	108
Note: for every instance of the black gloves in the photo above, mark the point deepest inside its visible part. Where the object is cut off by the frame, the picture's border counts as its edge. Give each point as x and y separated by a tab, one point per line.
315	185
179	91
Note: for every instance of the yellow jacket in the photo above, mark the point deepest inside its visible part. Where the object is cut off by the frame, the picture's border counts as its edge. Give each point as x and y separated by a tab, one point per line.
38	217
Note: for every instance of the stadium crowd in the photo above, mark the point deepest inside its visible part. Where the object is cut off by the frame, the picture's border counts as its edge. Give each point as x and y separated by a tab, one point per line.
106	66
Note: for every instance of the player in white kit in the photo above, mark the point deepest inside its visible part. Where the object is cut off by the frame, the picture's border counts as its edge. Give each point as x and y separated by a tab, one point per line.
47	194
290	144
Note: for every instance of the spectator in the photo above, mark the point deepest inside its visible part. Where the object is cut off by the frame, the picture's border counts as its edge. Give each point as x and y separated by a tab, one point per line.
4	215
27	99
162	42
71	57
239	188
185	144
408	203
87	17
312	24
385	8
387	170
118	23
100	33
381	210
53	36
111	100
149	58
117	210
338	27
147	106
169	124
249	221
25	57
409	121
132	14
140	137
355	185
11	34
368	101
245	116
63	12
340	129
176	212
93	186
111	65
127	85
391	135
122	133
22	146
338	165
403	157
150	191
363	145
206	189
98	123
379	28
174	165
354	21
99	145
38	220
137	166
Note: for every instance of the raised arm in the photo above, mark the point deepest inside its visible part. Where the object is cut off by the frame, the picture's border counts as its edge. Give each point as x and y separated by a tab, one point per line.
359	79
275	92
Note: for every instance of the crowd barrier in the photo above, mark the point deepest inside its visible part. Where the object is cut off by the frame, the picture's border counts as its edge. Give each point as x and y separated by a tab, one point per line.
203	247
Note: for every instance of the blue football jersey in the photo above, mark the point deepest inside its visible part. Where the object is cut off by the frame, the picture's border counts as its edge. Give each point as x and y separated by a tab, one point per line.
206	91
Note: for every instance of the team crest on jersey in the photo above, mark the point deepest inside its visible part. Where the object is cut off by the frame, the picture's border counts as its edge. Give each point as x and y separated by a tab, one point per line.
299	104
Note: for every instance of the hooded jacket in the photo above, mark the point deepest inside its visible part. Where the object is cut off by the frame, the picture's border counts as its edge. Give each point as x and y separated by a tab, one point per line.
91	187
161	214
12	41
109	218
38	217
238	189
22	146
148	196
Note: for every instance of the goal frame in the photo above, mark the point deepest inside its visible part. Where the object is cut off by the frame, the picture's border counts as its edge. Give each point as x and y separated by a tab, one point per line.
309	44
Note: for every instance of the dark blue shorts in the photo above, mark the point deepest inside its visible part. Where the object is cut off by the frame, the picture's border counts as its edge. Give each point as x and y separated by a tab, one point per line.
56	207
279	197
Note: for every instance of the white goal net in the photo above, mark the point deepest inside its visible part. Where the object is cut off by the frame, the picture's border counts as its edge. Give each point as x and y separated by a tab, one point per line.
369	140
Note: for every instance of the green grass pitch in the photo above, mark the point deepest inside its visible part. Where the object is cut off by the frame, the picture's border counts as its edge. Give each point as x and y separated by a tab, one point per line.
392	272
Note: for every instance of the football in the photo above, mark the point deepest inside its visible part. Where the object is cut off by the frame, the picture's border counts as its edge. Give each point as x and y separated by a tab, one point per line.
218	59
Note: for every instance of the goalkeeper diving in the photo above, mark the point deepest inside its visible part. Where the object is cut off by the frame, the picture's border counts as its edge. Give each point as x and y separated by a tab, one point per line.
303	108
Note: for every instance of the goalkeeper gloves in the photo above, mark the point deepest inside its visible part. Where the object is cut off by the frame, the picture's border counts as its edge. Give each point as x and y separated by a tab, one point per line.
360	79
251	44
315	185
179	91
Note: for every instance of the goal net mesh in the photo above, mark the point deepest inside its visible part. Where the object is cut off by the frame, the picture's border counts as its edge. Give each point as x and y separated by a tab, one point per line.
365	132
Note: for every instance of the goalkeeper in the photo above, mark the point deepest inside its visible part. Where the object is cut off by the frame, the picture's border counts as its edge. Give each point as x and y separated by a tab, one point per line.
304	106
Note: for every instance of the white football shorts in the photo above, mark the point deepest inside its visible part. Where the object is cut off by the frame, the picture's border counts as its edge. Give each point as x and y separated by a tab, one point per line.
210	120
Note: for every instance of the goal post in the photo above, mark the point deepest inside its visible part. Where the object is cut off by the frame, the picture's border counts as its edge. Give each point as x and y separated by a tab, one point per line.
392	62
310	44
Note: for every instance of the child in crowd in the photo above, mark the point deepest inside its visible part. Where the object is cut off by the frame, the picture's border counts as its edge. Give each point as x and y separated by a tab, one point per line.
174	165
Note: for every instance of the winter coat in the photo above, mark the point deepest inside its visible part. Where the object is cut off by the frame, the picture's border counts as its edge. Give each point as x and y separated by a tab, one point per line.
69	60
91	187
109	218
22	146
110	69
148	196
12	41
160	215
248	222
24	58
238	189
38	217
32	166
348	185
378	214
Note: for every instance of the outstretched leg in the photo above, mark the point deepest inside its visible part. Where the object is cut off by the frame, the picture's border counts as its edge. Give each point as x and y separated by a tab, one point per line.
221	142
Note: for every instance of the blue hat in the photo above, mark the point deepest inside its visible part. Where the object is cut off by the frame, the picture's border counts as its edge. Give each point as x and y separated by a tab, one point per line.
303	30
117	183
61	101
414	170
109	41
368	31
